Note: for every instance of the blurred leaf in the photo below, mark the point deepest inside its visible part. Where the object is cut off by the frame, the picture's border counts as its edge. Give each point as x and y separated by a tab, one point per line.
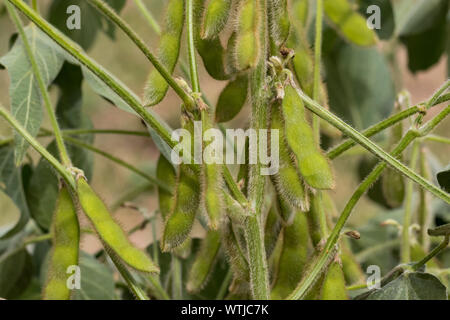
360	84
426	48
92	21
26	100
386	16
349	23
416	16
15	274
412	286
10	214
232	99
443	178
97	282
11	183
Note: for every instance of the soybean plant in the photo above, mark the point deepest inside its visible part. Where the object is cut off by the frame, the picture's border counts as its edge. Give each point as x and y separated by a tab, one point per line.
311	73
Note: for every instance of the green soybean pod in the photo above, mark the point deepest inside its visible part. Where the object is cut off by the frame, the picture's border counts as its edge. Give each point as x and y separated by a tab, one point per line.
215	17
293	257
333	287
187	200
278	21
247	35
109	230
168	52
287	180
349	22
313	165
212	180
272	230
165	172
232	99
211	51
234	252
204	261
66	238
353	272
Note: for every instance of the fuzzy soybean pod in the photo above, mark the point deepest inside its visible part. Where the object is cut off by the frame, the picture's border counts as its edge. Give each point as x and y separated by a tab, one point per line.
349	22
168	52
287	180
215	17
333	287
212	183
204	261
210	49
66	238
272	230
109	230
313	165
278	22
293	257
187	200
247	34
232	99
165	172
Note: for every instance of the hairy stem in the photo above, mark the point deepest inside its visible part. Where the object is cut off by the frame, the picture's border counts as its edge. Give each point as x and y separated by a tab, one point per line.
407	215
317	63
65	174
259	280
432	254
148	16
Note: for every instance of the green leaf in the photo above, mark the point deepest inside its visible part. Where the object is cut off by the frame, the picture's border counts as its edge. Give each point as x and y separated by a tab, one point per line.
26	100
360	84
412	286
10	214
416	16
15	274
386	16
349	23
11	183
97	282
443	178
92	21
425	48
232	99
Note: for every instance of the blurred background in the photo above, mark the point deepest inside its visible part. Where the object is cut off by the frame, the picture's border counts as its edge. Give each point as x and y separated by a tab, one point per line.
120	56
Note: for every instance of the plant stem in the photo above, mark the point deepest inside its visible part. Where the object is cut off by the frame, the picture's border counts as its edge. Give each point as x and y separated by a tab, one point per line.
147	14
105	131
424	216
310	278
177	278
317	63
433	253
114	17
128	277
195	83
436	138
405	247
372	147
42	87
37	146
224	287
259	279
